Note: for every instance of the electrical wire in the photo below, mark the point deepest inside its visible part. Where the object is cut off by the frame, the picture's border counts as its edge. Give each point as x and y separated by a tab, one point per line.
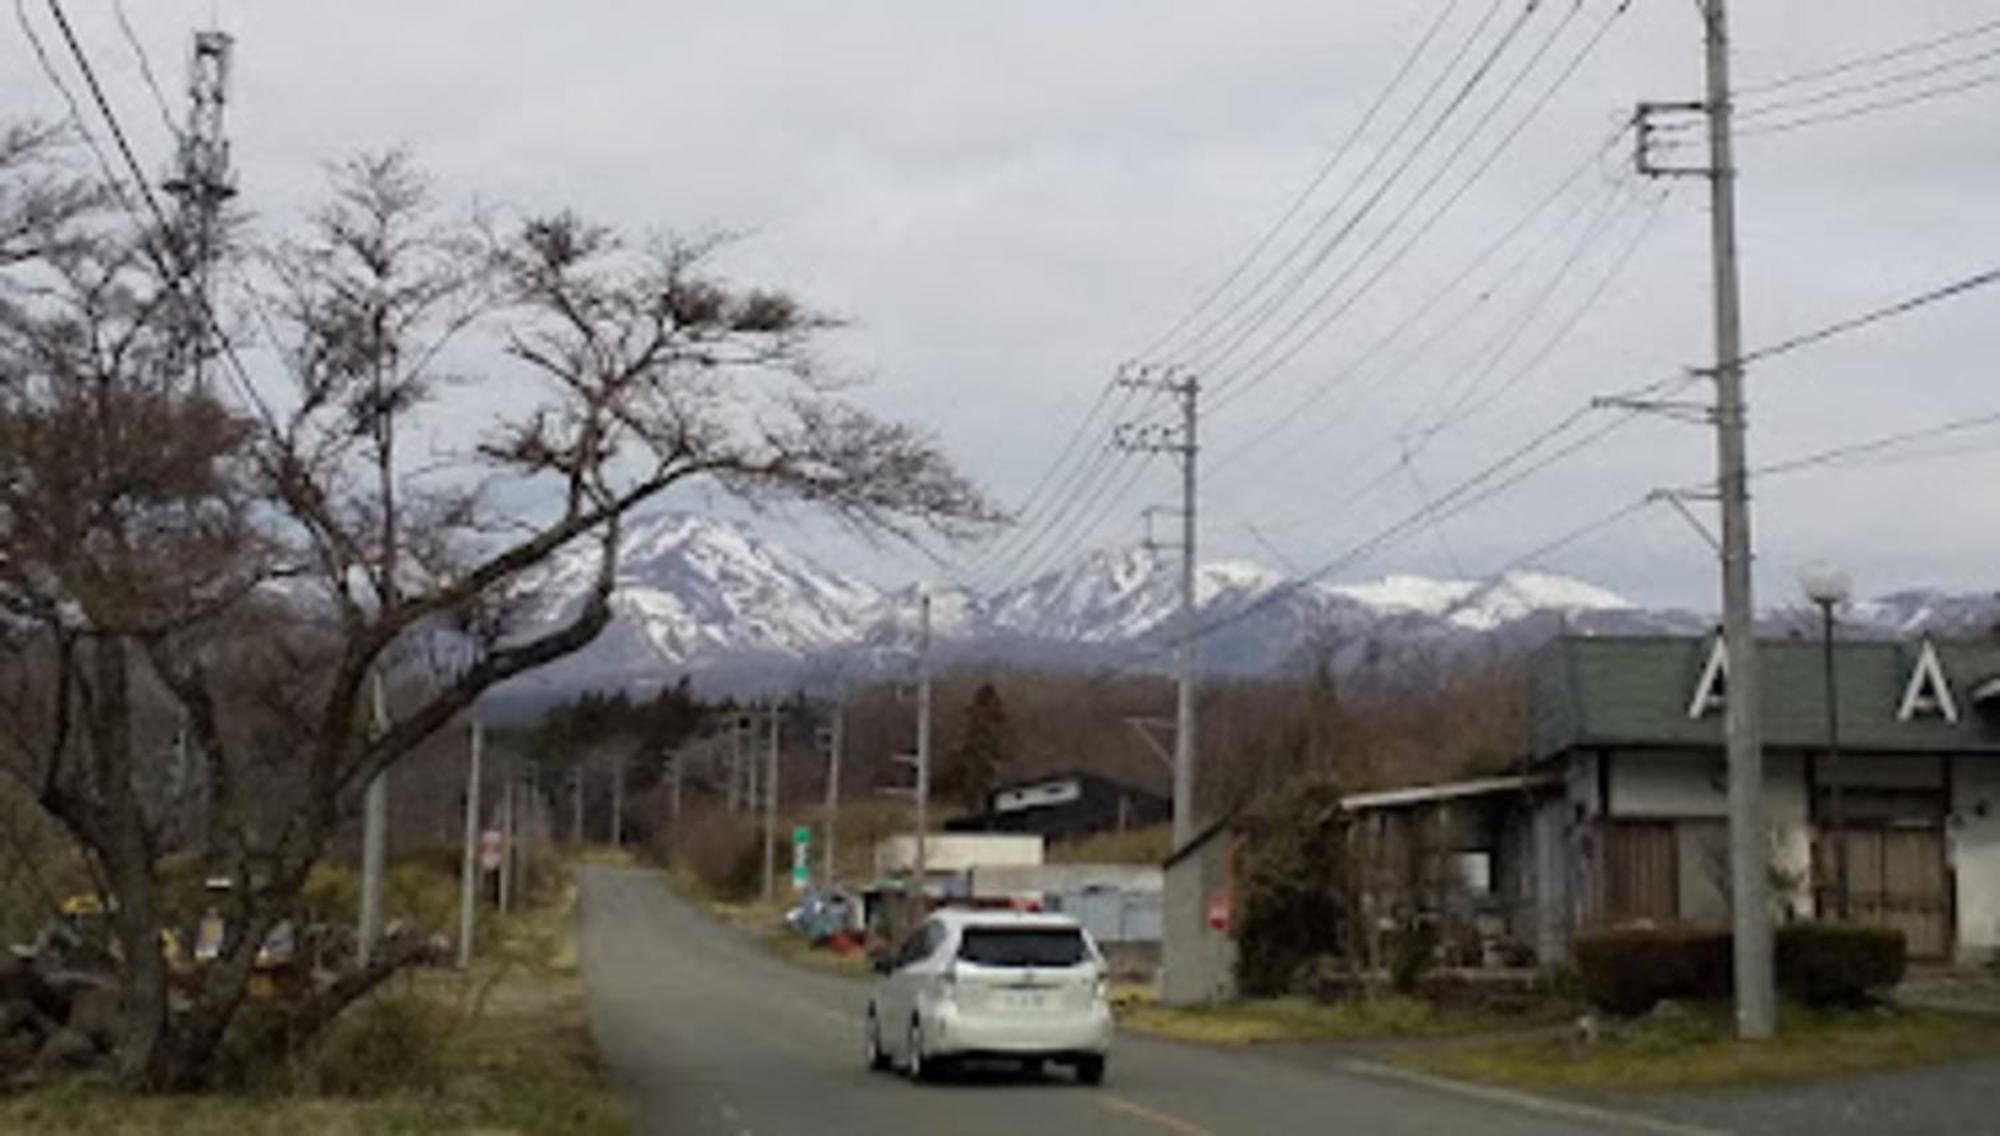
146	68
1298	204
1273	305
1866	61
1932	94
1318	392
1835	94
1245	378
1383	152
1090	419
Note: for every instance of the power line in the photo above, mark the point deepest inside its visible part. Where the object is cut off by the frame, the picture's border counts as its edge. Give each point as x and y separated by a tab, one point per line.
1242	379
1084	427
1269	309
1786	126
145	67
1382	154
174	276
1298	203
1835	94
1507	471
1866	61
1319	391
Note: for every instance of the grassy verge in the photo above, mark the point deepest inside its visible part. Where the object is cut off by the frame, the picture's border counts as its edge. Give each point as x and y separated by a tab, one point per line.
502	1049
1388	1018
1694	1047
763	922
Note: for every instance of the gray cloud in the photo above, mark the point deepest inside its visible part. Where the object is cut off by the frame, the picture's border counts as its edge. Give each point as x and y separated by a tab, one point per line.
1009	199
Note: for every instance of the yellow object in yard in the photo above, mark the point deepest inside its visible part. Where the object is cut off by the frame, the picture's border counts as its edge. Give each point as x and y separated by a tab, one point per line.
262	985
82	905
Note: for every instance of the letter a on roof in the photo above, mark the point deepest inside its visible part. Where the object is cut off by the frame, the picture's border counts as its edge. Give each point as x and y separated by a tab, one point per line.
1713	687
1928	692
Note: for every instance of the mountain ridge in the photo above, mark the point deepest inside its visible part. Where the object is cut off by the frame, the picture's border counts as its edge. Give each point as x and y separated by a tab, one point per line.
711	599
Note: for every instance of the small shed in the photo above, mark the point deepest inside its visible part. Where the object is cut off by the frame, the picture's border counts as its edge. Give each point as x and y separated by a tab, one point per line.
1198	951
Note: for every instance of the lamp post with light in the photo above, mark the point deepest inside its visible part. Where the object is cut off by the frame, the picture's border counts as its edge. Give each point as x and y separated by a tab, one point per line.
1828	587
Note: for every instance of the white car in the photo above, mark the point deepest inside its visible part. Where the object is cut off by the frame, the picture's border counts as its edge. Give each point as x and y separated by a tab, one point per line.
991	984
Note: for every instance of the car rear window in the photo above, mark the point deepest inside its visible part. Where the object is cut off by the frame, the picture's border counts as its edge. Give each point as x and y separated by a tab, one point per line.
1023	946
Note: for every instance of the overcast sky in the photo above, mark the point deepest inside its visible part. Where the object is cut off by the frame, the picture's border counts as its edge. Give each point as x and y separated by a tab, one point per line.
1010	199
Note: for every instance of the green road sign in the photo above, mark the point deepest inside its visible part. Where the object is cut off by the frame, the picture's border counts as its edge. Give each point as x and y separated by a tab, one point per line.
801	844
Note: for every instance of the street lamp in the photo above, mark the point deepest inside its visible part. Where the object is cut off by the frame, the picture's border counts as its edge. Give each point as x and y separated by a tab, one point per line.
1828	587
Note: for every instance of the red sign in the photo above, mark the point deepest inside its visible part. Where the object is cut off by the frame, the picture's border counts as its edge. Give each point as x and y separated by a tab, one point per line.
492	846
1219	906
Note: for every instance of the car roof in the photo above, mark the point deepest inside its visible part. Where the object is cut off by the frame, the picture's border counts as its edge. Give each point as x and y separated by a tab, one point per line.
986	917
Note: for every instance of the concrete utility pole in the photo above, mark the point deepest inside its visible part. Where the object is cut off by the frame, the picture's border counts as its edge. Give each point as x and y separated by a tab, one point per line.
1749	857
680	767
374	840
771	806
923	738
1749	863
468	872
1183	444
618	800
836	741
507	836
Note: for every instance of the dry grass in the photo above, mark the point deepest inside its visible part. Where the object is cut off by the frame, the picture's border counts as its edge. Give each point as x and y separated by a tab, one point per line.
1391	1017
504	1049
1136	846
1694	1047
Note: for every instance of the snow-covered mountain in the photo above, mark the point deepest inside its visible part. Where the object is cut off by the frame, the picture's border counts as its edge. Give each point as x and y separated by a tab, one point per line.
709	598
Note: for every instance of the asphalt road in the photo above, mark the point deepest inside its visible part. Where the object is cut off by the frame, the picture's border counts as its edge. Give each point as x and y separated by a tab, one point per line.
707	1033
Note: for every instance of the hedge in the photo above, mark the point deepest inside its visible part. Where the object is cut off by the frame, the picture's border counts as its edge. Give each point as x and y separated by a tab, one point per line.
1838	964
1629	970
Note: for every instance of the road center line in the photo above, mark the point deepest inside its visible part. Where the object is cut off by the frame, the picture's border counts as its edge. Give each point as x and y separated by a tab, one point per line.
1547	1106
1161	1119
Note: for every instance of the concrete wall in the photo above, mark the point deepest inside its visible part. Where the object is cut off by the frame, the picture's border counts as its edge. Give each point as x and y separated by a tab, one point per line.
1972	842
1198	963
957	852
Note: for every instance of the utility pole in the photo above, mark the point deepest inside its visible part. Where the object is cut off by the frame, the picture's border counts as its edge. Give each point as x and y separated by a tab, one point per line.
468	872
374	840
771	806
1750	912
1183	444
200	184
507	836
680	765
923	738
1748	859
836	741
618	800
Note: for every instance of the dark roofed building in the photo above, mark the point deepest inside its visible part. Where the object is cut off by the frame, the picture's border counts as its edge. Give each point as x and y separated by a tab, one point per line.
1064	806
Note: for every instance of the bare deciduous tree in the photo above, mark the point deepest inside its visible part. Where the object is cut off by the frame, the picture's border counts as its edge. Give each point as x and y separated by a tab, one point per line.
460	404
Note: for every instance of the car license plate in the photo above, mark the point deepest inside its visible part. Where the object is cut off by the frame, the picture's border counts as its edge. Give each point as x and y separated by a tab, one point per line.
1024	1000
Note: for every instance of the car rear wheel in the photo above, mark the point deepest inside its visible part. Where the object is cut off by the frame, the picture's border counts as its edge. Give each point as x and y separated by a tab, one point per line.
877	1059
1090	1070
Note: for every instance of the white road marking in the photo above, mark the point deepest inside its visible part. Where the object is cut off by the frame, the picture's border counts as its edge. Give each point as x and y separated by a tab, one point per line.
1548	1106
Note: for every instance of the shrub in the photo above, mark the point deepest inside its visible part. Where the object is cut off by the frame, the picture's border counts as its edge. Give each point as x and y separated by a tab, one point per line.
1291	889
723	852
1628	970
1838	964
392	1042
